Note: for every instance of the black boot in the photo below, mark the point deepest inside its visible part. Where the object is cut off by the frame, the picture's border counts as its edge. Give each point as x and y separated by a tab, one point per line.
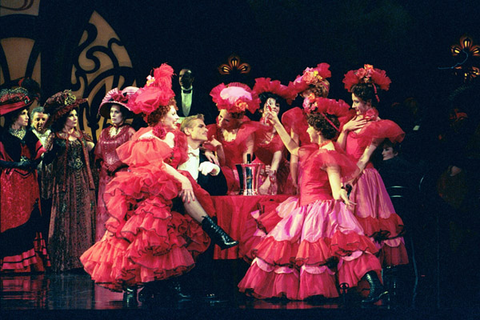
377	291
130	297
217	234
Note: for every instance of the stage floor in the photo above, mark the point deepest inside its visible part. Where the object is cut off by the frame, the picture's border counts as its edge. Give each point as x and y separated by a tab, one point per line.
74	296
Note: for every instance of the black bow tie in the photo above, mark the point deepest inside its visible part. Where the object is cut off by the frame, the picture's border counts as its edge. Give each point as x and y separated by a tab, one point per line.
187	91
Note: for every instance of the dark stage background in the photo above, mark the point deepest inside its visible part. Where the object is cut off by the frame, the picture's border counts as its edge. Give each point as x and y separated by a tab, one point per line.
409	39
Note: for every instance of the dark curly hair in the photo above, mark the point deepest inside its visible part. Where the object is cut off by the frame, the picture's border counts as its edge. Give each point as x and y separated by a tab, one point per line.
366	92
320	124
266	95
154	118
58	125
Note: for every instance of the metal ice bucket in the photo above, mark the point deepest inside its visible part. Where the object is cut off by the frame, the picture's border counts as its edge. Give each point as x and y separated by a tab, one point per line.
249	174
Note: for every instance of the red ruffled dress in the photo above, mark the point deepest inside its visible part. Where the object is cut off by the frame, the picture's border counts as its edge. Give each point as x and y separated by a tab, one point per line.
105	151
264	154
147	241
22	246
291	260
374	209
234	150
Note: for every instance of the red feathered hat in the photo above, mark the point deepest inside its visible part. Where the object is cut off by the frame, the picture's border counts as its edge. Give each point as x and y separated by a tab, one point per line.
156	92
367	74
14	99
274	86
235	97
313	77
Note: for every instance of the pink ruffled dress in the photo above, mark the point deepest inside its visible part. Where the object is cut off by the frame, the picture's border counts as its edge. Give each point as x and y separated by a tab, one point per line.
147	241
374	209
313	230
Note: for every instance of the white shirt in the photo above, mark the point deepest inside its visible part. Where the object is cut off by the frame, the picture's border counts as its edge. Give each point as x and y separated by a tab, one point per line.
187	101
193	162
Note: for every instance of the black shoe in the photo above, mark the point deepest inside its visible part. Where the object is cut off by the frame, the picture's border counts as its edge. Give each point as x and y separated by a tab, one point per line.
130	297
217	234
377	291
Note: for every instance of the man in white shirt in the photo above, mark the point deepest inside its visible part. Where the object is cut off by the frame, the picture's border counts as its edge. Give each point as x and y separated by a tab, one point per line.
208	174
209	177
39	118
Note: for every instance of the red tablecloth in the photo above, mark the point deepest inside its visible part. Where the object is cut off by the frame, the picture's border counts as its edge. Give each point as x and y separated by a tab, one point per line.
232	212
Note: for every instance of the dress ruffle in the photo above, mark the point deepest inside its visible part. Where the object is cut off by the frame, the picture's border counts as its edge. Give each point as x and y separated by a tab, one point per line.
146	240
296	121
323	158
35	259
376	214
292	260
259	224
381	129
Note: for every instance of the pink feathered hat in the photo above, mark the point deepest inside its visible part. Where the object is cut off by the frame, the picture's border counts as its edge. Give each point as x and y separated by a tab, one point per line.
115	96
235	97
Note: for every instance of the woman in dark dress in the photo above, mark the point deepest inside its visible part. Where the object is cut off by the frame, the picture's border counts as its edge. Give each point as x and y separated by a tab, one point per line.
72	221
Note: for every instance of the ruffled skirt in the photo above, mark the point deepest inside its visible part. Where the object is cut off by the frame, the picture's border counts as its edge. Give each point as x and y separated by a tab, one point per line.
146	241
298	258
376	214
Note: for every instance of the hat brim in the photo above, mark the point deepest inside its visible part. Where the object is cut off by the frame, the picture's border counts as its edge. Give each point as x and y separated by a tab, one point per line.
4	110
61	111
104	109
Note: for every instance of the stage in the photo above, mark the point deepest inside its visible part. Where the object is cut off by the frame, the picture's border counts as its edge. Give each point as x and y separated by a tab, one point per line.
74	296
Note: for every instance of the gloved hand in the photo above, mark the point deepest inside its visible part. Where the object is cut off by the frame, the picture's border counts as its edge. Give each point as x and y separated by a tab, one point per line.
207	167
27	165
24	165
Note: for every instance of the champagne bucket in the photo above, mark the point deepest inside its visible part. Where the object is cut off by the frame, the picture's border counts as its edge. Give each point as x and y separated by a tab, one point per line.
249	174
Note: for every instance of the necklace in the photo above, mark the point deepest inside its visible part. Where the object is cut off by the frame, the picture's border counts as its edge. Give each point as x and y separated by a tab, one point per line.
115	130
19	133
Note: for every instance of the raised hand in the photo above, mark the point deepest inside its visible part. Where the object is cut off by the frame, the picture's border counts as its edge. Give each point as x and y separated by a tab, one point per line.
355	124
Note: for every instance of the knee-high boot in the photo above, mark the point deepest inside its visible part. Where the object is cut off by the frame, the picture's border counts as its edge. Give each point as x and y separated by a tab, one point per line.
377	291
217	234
